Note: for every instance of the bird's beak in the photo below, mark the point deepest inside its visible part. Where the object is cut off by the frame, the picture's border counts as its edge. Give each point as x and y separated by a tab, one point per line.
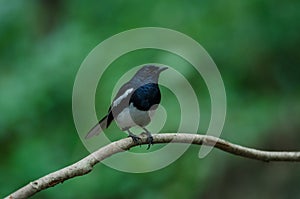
161	69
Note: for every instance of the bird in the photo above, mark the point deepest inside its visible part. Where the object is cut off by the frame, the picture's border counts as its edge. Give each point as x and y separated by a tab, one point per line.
134	104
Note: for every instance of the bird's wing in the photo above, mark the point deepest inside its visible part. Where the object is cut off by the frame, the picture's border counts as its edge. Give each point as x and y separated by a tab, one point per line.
120	102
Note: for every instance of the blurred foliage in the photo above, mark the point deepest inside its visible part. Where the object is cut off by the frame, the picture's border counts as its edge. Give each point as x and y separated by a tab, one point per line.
254	43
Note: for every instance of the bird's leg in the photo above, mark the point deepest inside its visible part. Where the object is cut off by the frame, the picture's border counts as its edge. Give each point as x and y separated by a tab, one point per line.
149	138
136	139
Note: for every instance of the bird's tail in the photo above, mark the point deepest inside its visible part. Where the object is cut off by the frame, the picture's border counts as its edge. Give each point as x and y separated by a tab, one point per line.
98	128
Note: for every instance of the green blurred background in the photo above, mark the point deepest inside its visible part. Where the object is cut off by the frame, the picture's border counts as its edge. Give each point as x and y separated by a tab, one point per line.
255	45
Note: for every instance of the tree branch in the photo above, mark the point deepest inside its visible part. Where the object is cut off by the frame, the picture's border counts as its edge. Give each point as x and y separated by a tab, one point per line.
86	165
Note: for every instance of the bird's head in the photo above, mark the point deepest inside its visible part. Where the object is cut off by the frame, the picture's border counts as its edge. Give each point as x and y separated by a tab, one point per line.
149	73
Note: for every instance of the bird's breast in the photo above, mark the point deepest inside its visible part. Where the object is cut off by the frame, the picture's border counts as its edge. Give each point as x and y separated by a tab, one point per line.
146	96
131	117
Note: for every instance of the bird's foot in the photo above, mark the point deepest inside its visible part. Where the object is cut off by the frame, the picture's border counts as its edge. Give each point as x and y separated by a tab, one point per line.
136	139
150	141
149	138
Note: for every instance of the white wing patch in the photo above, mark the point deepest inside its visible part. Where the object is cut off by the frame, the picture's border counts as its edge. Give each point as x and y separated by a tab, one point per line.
119	99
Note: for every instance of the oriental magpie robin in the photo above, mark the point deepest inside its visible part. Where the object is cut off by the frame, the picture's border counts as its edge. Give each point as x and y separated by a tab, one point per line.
134	104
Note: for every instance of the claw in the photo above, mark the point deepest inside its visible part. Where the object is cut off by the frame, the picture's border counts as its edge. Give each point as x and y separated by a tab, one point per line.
136	139
149	138
150	141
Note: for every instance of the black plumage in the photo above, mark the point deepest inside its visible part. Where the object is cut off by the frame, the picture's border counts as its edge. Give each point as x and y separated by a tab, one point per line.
146	96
